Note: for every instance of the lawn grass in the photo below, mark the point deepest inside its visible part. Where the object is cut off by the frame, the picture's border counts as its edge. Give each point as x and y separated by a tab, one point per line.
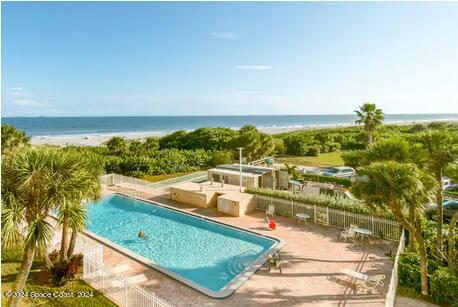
11	261
323	160
156	178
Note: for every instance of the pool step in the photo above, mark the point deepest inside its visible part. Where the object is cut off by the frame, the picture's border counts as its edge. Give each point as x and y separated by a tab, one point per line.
235	267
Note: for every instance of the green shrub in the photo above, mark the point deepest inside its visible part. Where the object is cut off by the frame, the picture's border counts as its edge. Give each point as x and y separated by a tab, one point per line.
354	158
444	286
317	178
296	144
409	270
333	146
313	150
280	148
409	273
221	157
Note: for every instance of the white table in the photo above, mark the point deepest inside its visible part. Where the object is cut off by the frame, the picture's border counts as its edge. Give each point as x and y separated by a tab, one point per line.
302	217
364	233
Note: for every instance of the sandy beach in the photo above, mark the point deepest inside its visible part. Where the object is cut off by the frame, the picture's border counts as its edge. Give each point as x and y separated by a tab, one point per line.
98	139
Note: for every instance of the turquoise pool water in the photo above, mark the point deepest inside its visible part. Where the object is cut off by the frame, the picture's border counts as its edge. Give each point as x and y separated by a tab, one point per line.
208	254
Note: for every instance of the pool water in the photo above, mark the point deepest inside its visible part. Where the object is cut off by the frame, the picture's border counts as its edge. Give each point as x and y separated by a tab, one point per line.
208	254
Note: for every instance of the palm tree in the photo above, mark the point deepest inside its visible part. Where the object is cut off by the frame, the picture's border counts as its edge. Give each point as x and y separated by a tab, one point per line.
35	181
12	138
371	117
71	213
77	223
441	150
398	186
292	171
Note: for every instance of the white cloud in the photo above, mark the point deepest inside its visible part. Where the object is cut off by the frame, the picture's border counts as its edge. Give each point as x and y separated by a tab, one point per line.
225	35
254	67
19	88
27	103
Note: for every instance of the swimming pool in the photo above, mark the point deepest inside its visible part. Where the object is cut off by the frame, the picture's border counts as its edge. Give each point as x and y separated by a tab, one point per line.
211	257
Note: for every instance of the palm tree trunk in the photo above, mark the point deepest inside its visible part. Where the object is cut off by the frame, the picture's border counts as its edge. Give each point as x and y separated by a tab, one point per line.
369	138
46	259
24	270
397	211
440	210
64	244
423	259
451	244
413	222
71	246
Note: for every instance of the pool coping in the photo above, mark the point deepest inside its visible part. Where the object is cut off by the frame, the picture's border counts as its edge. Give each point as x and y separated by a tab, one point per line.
228	289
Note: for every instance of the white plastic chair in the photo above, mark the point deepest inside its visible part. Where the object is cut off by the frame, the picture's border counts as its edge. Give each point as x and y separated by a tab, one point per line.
348	234
270	210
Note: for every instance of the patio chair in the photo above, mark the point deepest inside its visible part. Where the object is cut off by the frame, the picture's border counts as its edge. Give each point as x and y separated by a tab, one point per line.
274	261
376	280
355	226
348	234
270	210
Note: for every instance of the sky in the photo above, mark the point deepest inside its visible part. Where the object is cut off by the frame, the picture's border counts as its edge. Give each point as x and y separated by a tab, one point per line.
120	58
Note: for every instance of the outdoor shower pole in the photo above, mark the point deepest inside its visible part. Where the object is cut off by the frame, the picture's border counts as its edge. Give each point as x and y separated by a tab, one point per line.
240	162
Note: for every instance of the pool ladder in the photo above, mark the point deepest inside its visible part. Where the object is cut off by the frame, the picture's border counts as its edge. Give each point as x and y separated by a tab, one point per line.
236	265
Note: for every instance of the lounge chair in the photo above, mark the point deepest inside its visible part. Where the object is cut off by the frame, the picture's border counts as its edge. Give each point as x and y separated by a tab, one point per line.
348	234
132	280
121	268
375	280
270	210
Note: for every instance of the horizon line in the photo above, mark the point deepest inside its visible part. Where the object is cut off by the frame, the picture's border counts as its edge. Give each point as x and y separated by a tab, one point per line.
224	115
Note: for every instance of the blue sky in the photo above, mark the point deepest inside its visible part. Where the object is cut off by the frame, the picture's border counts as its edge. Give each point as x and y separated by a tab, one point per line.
83	59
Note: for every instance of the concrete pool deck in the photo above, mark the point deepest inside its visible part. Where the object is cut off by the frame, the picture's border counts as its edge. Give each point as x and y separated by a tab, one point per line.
312	275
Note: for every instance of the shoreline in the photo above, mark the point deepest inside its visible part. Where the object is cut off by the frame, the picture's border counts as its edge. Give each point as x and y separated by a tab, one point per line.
97	139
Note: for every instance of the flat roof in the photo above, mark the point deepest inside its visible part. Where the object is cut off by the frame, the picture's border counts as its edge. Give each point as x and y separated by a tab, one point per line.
208	188
232	172
259	170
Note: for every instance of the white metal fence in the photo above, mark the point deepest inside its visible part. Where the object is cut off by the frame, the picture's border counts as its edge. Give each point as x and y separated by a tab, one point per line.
117	288
112	285
391	294
381	227
117	179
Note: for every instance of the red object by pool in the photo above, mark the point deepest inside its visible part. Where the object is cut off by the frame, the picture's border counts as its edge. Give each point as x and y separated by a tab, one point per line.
272	224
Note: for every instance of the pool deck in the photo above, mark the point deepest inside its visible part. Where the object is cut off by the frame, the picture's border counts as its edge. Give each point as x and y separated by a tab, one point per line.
312	275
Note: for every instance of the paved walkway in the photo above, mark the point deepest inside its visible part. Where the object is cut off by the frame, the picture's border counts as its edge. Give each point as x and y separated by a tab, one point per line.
312	275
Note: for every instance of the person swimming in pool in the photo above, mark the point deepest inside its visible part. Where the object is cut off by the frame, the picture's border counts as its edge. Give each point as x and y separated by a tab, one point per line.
141	235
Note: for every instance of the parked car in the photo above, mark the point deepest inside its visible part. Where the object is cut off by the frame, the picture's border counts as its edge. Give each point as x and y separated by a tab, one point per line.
450	208
339	171
448	185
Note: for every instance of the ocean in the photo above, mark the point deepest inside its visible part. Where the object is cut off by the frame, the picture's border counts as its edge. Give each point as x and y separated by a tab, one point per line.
63	126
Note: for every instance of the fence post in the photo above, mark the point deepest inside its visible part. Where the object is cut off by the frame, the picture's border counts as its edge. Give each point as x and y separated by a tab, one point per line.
314	213
292	208
372	224
345	219
327	215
